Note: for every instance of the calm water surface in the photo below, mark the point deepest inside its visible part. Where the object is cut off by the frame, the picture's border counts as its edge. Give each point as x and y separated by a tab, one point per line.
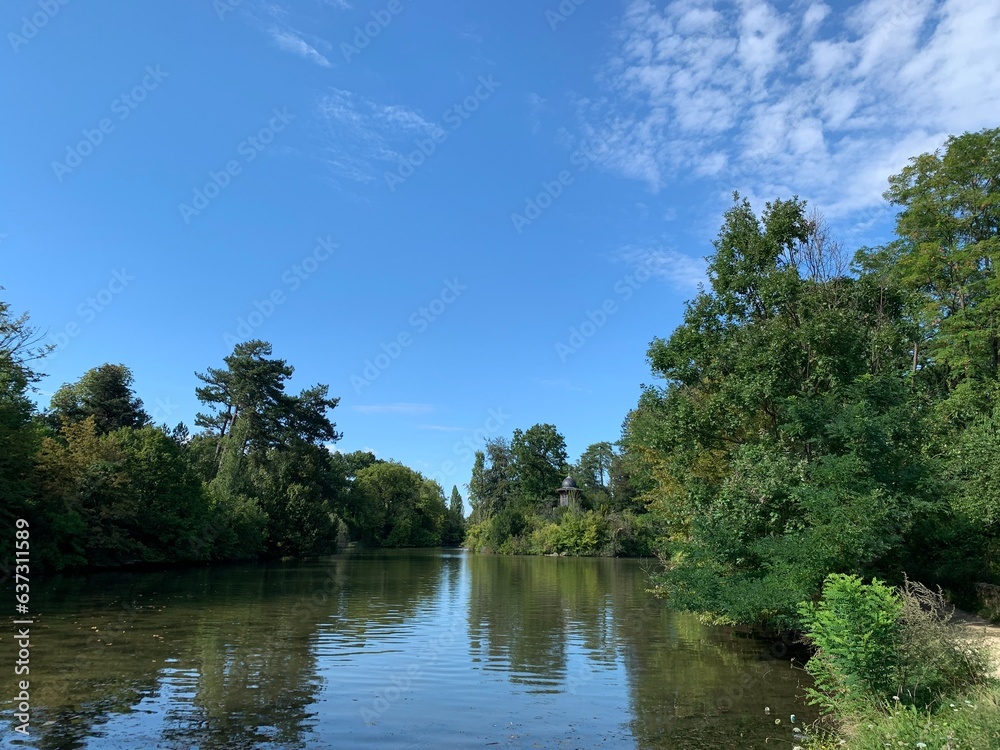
410	649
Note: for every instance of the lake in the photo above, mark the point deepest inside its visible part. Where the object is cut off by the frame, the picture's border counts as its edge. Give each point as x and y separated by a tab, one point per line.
398	649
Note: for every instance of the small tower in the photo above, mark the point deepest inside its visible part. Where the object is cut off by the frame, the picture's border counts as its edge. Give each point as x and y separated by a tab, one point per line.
569	494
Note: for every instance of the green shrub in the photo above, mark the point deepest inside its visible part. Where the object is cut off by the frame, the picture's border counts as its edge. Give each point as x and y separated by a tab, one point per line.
475	536
883	646
855	630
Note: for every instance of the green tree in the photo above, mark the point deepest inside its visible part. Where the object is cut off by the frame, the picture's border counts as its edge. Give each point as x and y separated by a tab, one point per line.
784	423
132	491
595	470
943	266
394	506
104	393
455	523
948	250
477	488
19	434
494	484
270	472
540	462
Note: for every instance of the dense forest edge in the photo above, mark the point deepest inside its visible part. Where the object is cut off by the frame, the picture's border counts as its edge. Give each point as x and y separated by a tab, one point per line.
822	435
101	486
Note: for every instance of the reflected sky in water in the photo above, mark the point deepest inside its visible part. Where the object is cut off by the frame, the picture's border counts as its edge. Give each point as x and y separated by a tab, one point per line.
400	649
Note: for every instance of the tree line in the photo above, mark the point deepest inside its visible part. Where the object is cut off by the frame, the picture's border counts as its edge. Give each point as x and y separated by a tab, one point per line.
817	412
821	413
101	485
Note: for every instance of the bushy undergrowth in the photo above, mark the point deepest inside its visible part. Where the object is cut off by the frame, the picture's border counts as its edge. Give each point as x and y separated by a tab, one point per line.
892	670
970	721
565	532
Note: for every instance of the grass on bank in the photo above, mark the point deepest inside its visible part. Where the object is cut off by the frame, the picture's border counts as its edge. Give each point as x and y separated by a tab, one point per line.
970	721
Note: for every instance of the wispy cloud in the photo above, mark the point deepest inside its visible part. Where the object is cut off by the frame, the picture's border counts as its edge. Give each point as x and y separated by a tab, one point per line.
361	136
278	21
394	408
680	271
290	40
536	105
801	100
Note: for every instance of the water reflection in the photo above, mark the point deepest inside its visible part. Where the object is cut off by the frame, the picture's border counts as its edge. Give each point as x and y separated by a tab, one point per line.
584	627
399	649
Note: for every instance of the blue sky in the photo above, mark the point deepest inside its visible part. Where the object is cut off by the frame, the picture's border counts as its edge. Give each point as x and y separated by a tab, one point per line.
463	219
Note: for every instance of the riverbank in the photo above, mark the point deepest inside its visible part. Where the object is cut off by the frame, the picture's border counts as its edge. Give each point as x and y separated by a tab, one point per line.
902	668
984	632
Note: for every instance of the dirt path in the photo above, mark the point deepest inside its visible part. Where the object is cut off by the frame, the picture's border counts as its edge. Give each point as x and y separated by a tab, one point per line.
982	630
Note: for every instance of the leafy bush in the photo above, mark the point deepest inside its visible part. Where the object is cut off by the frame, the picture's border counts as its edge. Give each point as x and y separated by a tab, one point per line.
878	645
855	630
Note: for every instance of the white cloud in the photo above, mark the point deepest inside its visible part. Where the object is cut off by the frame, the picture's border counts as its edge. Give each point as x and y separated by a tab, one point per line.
290	41
361	135
813	17
394	408
824	104
680	271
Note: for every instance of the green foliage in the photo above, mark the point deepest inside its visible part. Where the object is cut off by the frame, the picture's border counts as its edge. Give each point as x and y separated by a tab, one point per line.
237	528
250	412
605	475
103	393
880	646
966	720
784	445
855	629
504	527
121	497
575	534
391	505
20	436
539	458
948	251
454	527
562	531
